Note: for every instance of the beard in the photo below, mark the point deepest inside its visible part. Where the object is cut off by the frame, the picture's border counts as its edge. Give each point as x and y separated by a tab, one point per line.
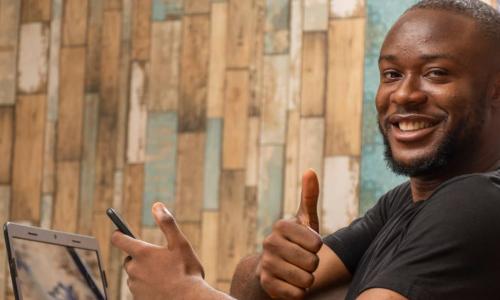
457	141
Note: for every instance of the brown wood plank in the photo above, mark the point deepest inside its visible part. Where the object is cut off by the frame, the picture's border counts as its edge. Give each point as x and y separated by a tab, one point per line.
28	158
112	4
94	40
35	10
4	217
217	71
141	29
71	103
10	12
348	8
345	87
192	231
252	159
292	173
7	77
189	181
75	23
296	32
133	190
194	75
6	142
256	66
33	58
196	6
153	235
235	120
102	228
110	62
65	216
165	55
209	245
241	33
314	74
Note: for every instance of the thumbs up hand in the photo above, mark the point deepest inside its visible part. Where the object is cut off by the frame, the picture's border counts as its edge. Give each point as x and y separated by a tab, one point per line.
290	258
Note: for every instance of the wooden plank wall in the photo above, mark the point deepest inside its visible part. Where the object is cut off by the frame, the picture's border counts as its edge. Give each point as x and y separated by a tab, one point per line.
213	107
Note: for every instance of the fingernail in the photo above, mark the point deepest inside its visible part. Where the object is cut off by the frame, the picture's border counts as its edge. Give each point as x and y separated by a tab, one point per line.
160	208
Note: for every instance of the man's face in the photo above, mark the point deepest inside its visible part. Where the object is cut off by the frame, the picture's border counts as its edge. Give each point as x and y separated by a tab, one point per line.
433	85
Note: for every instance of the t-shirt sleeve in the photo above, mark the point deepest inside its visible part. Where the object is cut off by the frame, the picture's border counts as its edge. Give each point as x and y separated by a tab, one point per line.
351	242
452	247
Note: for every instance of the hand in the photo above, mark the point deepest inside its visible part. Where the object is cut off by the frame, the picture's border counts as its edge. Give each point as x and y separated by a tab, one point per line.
290	258
160	272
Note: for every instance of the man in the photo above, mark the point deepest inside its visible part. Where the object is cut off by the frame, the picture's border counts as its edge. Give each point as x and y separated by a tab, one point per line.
434	237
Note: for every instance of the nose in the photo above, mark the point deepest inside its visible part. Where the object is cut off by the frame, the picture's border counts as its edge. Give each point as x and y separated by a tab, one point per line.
409	92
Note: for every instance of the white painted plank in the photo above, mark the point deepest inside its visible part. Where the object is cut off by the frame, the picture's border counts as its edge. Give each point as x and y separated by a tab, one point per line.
137	124
315	15
347	8
55	45
33	57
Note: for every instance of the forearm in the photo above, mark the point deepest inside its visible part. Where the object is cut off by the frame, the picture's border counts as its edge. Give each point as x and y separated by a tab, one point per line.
245	284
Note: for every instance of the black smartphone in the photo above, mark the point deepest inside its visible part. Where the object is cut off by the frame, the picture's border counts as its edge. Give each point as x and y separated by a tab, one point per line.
119	222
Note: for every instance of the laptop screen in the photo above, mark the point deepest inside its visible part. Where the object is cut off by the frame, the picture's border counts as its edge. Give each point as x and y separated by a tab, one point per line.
48	271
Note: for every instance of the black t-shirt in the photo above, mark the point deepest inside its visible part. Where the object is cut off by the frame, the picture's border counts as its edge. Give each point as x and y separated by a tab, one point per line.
445	247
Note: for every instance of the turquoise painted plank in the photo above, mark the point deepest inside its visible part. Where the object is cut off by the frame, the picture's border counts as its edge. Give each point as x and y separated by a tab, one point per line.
376	178
277	34
270	193
166	9
160	165
213	152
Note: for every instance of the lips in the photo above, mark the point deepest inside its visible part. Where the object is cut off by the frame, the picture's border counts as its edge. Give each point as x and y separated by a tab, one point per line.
412	128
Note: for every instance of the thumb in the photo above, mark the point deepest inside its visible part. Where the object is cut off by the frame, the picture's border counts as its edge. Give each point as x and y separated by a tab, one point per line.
308	212
168	225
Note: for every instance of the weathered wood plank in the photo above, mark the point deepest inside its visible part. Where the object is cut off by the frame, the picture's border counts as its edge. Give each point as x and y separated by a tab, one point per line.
292	172
153	235
160	165
347	8
110	62
133	190
274	105
316	15
192	231
270	193
4	216
94	40
314	62
33	57
209	245
137	116
217	68
141	29
113	4
71	103
10	12
7	77
102	228
235	120
75	22
167	9
296	25
340	192
54	61
277	35
252	160
196	6
345	87
66	206
256	65
241	33
6	143
49	159
46	211
165	55
88	167
28	158
189	183
194	75
212	169
35	11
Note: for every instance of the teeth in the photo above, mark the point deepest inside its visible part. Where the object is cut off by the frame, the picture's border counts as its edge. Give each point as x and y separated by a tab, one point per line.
411	125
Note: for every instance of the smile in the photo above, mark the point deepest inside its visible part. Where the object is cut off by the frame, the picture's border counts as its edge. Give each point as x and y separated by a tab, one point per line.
413	128
413	125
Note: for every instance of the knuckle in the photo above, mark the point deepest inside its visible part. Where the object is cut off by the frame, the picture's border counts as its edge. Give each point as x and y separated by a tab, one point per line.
309	280
280	225
317	243
269	243
313	262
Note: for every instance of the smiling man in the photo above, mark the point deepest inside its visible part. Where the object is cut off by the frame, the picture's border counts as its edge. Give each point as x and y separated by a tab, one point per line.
436	236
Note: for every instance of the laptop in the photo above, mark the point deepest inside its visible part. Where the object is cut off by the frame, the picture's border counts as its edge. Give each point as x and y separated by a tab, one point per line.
47	264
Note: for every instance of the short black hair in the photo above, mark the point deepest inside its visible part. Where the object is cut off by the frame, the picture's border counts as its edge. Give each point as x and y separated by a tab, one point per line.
487	18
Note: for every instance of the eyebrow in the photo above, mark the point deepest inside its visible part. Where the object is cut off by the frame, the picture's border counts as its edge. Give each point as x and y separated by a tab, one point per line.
426	57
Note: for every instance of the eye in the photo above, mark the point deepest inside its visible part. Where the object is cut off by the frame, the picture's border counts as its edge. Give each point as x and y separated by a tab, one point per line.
436	73
391	75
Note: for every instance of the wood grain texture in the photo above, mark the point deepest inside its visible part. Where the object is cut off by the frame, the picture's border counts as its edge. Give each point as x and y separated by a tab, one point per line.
314	61
274	102
189	181
94	40
141	29
6	143
292	172
196	6
256	66
341	184
209	245
167	9
7	77
194	75
137	115
241	33
35	11
54	61
345	87
49	158
217	68
28	158
75	22
316	15
277	34
4	216
235	120
10	13
165	54
133	189
33	56
252	157
66	203
213	164
347	8
71	103
296	43
113	4
102	229
46	211
160	165
192	231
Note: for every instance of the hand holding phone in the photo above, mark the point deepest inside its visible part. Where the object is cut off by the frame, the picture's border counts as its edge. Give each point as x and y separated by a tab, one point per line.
119	222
